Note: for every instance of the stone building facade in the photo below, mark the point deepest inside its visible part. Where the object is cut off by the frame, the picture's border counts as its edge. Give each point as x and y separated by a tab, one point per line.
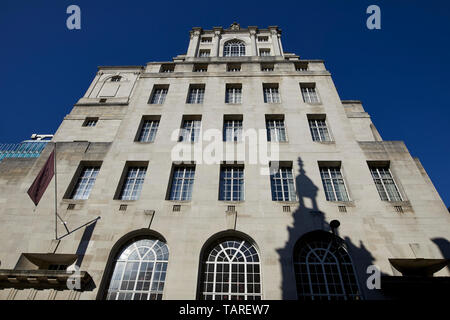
237	228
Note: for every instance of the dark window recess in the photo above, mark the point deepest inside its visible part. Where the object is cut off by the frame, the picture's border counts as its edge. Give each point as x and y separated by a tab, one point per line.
176	208
286	208
342	208
231	208
71	206
123	207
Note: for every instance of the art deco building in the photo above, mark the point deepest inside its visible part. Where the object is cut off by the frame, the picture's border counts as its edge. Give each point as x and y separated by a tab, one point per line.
276	157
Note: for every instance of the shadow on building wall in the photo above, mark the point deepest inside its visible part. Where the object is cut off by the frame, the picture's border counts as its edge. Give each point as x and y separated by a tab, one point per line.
308	217
444	246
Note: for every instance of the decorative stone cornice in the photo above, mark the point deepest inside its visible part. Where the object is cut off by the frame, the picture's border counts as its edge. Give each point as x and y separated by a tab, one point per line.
253	30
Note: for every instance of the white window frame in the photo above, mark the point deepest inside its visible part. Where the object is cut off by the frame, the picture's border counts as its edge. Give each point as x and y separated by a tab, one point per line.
196	95
134	186
234	48
272	126
85	182
159	95
314	124
328	168
151	131
310	94
233	95
160	252
232	182
183	181
271	94
377	168
224	246
282	178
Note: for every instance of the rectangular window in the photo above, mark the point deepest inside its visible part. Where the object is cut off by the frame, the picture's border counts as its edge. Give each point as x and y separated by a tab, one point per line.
233	93
204	53
267	67
200	68
385	183
196	94
132	185
231	183
271	94
182	183
309	93
159	94
90	122
206	39
147	132
276	130
263	39
167	68
190	130
264	52
318	128
232	129
301	66
282	184
333	184
233	67
85	182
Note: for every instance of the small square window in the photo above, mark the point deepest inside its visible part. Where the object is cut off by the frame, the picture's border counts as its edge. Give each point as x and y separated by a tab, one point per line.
204	53
90	122
301	66
233	67
263	39
200	68
264	52
167	68
267	67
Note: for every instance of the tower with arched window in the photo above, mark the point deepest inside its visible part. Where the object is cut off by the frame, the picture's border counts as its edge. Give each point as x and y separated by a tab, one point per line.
215	175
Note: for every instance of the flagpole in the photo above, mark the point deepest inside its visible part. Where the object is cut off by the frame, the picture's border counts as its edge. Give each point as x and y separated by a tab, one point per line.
56	195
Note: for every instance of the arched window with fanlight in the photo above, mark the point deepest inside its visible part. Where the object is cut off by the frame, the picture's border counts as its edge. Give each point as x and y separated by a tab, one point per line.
230	271
139	271
234	48
324	270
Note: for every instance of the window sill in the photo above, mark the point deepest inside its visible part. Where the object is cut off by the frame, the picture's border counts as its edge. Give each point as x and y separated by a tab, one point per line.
349	203
325	142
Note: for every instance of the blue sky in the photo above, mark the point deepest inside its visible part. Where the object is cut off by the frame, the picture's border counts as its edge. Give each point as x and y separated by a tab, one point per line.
401	72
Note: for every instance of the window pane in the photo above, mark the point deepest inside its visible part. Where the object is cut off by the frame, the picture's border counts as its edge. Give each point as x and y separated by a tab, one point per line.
231	271
140	271
133	183
182	183
85	183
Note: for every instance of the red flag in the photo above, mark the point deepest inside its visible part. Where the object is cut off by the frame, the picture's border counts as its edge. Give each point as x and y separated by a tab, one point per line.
42	180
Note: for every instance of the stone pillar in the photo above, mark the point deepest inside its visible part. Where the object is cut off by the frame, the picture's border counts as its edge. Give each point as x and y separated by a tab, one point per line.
216	42
252	31
275	43
194	41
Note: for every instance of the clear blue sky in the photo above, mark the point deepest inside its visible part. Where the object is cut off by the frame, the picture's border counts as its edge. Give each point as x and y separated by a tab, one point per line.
401	72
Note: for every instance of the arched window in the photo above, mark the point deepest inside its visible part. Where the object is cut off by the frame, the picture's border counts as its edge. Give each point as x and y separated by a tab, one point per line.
324	271
115	78
234	48
139	271
231	271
